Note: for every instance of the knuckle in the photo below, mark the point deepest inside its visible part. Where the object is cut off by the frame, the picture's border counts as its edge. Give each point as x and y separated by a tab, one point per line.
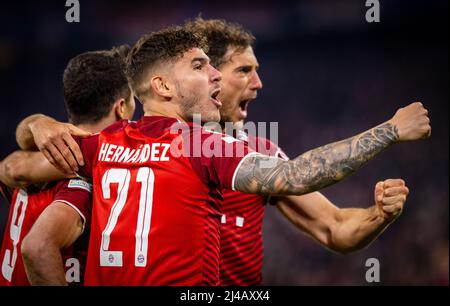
67	156
59	159
66	151
51	138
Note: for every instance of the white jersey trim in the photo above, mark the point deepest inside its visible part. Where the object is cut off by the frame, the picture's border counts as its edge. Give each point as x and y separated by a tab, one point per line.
77	210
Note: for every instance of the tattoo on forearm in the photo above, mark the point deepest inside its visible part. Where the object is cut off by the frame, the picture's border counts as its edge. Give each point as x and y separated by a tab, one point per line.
314	169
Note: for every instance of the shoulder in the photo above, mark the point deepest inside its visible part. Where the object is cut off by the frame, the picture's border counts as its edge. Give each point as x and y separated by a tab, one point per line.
117	126
265	146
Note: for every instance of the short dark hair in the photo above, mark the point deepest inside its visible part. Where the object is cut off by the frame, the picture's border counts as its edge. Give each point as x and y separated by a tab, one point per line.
220	35
121	52
92	82
159	47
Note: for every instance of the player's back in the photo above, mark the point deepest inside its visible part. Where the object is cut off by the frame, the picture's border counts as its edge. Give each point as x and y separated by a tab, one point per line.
155	221
26	207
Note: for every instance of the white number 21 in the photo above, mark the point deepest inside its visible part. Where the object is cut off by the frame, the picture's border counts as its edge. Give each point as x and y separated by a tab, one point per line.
122	177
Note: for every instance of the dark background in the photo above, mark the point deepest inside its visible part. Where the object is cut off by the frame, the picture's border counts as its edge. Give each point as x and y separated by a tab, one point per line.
327	74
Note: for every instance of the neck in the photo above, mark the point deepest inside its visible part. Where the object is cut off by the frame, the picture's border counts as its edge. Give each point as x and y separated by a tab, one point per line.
165	109
95	127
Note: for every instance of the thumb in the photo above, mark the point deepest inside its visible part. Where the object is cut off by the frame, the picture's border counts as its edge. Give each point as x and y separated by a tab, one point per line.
77	131
378	194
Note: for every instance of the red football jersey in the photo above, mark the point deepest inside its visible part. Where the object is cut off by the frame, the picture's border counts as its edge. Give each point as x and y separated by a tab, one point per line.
156	213
26	207
241	245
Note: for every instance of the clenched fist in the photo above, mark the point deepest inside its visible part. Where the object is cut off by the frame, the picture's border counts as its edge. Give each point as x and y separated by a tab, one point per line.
412	122
390	196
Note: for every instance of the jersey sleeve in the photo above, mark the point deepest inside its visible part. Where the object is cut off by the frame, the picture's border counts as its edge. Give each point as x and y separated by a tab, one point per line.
266	147
88	147
216	157
76	193
272	150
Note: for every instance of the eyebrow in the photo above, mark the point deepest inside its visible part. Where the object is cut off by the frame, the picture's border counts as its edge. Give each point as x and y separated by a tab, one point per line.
202	60
248	66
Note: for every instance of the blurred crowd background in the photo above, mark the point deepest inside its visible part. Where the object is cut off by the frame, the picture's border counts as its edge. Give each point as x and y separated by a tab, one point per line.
327	74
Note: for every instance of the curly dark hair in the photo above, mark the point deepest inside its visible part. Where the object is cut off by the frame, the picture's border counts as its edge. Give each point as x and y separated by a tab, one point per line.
158	47
220	35
92	82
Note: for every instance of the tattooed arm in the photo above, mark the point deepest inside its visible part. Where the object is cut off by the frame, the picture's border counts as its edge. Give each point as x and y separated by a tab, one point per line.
331	163
314	169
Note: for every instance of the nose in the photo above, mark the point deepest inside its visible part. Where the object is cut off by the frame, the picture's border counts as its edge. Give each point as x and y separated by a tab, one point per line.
215	75
256	83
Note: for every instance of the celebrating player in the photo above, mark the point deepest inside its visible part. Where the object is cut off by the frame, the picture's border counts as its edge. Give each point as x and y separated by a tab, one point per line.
342	230
156	213
45	226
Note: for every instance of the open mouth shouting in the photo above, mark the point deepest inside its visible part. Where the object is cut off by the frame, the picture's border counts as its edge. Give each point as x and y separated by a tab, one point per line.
214	98
242	108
